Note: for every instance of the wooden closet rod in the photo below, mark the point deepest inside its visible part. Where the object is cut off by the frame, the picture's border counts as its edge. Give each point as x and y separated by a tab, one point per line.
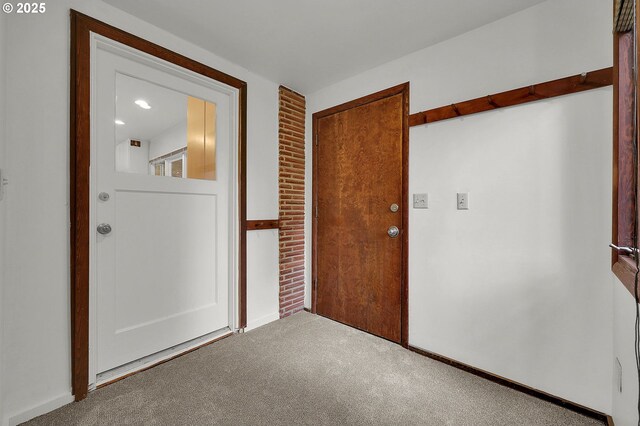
535	92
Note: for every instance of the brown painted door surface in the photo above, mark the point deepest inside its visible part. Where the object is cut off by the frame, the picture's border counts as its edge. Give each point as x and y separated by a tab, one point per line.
359	176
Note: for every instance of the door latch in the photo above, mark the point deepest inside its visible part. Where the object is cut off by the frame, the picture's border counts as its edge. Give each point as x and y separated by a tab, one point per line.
624	249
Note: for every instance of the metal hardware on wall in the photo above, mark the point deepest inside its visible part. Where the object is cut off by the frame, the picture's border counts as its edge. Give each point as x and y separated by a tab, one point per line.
624	250
3	182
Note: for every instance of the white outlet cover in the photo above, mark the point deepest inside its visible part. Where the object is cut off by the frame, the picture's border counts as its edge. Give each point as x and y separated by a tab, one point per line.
463	201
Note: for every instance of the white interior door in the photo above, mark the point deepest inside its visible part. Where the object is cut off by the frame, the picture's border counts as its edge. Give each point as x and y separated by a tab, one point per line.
162	272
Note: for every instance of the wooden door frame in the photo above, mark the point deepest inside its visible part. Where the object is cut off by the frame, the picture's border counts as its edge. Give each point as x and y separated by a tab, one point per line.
80	149
404	297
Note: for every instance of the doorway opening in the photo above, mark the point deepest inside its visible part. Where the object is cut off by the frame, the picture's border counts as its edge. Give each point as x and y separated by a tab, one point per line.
158	205
360	205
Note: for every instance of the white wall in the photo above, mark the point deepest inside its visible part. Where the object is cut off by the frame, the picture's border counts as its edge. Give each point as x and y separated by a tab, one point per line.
35	310
263	285
171	140
3	203
132	159
625	403
518	285
139	158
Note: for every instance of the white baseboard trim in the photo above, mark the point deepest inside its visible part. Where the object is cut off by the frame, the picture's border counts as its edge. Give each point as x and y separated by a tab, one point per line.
67	398
259	322
41	409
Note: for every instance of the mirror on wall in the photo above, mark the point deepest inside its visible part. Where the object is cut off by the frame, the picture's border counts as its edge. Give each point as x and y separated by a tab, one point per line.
162	132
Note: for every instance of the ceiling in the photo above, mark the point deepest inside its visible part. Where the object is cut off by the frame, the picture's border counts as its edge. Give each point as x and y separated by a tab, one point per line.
168	108
309	44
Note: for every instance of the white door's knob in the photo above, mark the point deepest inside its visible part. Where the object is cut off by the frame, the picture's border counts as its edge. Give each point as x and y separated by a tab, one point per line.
104	228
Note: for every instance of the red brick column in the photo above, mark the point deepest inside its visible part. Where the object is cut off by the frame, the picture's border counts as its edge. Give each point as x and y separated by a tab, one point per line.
291	118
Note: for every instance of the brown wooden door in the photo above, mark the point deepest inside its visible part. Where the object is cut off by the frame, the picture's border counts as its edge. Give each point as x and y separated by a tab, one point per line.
359	172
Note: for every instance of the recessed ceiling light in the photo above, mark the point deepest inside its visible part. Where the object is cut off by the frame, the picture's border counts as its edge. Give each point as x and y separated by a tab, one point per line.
143	104
119	122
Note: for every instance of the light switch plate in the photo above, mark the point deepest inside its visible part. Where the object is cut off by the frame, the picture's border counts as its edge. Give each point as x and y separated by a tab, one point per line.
3	183
463	201
420	201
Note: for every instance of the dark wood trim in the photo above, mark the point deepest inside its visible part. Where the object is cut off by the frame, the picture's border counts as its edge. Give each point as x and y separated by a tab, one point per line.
616	111
581	409
404	335
80	129
392	91
255	225
610	421
625	270
242	205
188	351
395	90
314	219
79	204
624	193
535	92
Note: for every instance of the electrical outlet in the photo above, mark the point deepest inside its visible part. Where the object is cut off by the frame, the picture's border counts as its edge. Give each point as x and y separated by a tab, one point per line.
420	201
463	201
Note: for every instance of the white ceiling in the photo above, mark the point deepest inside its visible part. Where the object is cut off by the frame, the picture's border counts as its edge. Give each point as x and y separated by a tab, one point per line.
168	108
309	44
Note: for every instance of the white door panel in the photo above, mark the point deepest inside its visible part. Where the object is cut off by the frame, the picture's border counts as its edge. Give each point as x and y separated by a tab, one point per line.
162	273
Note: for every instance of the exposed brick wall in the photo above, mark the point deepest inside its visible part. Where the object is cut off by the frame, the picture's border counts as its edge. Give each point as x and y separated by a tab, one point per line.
291	119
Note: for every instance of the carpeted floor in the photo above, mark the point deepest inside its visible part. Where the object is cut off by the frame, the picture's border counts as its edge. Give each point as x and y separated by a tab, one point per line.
306	369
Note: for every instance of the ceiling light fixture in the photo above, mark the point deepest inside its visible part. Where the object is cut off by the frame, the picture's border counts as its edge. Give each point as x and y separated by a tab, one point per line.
119	122
142	104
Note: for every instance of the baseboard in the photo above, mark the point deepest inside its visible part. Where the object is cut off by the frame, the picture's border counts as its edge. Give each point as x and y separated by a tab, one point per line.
259	322
41	409
573	406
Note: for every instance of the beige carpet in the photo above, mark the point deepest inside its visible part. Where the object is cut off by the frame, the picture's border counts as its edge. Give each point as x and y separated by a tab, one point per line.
306	369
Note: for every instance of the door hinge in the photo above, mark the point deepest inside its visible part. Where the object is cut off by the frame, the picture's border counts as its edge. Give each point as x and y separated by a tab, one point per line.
315	284
316	211
316	138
